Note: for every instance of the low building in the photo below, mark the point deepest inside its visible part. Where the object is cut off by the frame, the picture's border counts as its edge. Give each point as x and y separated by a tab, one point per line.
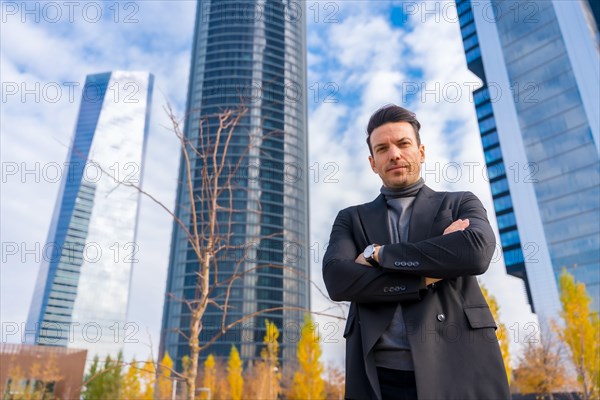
57	371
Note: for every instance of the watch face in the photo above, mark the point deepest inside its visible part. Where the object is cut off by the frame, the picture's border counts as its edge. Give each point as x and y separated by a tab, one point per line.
368	253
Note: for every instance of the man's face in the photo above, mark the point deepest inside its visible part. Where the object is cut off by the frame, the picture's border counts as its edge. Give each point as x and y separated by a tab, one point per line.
396	155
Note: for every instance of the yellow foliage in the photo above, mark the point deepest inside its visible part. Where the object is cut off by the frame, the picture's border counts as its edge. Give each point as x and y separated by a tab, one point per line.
43	374
501	332
147	376
581	333
335	382
266	372
130	385
210	377
540	369
271	350
165	384
308	383
234	374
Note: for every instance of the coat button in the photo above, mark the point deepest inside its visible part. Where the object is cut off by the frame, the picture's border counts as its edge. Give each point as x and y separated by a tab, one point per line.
403	263
409	264
441	317
397	263
416	263
402	288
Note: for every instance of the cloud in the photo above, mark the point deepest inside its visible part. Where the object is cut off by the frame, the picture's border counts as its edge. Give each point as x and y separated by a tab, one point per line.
421	66
354	47
37	129
458	149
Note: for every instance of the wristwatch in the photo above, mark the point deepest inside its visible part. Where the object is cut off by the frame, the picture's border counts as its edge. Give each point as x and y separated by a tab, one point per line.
369	254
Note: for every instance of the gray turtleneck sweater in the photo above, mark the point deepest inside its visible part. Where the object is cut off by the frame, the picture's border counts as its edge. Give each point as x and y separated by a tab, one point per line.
392	350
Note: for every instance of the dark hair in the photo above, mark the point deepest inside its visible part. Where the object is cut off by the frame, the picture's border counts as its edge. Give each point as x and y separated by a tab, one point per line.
392	113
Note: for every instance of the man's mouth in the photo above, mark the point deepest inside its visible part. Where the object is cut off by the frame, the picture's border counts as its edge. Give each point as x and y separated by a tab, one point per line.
398	167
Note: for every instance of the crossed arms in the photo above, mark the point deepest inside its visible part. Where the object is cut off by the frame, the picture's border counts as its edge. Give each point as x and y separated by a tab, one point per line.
465	248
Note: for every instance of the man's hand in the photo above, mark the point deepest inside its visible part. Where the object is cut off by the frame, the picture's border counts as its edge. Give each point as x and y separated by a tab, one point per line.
429	281
361	260
458	225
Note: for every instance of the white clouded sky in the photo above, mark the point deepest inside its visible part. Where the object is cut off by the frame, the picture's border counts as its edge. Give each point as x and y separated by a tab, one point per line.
361	55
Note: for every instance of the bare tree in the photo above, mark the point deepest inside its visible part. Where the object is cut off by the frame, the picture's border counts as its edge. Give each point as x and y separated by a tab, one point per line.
335	380
209	233
541	367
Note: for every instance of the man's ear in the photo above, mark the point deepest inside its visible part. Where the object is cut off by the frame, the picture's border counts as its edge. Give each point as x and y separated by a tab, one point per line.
372	162
422	151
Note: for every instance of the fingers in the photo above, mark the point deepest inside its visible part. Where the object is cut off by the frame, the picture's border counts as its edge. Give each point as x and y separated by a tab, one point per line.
458	225
361	260
429	281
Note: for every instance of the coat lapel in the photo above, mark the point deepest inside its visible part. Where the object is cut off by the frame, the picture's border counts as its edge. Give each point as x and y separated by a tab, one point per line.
425	208
374	221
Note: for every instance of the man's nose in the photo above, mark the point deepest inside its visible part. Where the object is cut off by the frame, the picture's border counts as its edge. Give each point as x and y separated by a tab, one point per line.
395	153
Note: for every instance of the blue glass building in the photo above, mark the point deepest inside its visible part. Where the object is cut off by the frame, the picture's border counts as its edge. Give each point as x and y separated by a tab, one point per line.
82	291
251	53
538	112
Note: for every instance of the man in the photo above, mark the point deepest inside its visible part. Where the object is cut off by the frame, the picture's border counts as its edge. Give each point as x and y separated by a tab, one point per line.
418	324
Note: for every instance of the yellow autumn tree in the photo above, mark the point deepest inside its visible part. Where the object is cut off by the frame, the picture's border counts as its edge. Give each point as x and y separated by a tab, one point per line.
252	379
308	383
210	377
35	384
222	391
265	374
165	383
270	353
335	382
501	332
540	367
16	377
51	372
581	333
270	357
130	385
234	374
44	375
148	378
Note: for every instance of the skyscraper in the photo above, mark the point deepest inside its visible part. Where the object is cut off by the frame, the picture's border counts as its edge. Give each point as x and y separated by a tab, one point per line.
251	53
82	290
538	113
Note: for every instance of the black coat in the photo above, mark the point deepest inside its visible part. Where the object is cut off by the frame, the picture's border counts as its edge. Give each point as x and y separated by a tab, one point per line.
450	327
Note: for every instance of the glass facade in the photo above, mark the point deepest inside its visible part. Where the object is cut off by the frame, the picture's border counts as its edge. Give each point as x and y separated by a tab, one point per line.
251	53
82	291
531	57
